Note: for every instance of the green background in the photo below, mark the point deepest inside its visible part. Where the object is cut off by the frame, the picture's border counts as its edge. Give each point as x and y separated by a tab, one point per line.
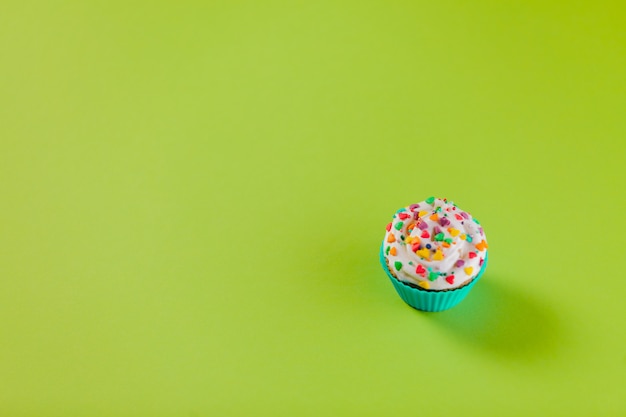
193	196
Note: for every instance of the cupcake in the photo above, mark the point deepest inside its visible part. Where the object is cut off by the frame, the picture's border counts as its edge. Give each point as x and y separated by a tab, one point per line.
433	253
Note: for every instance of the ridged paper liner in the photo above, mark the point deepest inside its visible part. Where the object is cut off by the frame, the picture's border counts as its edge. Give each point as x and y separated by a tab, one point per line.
430	300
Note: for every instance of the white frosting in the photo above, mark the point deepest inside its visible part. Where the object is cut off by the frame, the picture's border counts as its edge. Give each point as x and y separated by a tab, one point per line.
456	245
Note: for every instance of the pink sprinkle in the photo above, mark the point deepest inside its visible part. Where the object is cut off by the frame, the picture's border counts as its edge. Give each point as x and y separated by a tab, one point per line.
444	221
422	225
459	263
464	214
413	207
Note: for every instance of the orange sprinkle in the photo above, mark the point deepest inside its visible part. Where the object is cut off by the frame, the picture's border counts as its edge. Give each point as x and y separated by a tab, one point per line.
391	238
482	245
392	251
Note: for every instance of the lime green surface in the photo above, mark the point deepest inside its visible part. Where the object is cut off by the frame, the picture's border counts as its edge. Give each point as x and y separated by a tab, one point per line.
192	199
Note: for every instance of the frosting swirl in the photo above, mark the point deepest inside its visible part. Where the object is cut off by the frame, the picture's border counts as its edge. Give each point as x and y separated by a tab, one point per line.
434	245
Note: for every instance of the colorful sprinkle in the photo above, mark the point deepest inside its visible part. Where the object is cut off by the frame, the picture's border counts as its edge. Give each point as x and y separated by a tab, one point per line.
391	238
422	225
412	207
480	263
409	239
403	216
424	284
444	221
468	270
458	217
434	217
398	225
472	255
397	265
433	275
420	270
422	213
388	227
448	241
436	230
428	246
392	251
482	245
424	253
463	236
430	200
459	263
465	215
439	237
438	255
415	247
453	232
450	279
425	235
468	238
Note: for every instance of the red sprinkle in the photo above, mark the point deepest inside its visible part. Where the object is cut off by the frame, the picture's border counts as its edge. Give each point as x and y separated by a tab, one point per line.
425	234
450	279
415	247
458	217
403	216
420	270
472	255
388	227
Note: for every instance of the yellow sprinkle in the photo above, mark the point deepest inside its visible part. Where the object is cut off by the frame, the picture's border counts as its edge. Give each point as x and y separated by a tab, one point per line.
424	253
391	238
424	284
422	213
468	270
463	237
438	255
453	232
409	240
392	251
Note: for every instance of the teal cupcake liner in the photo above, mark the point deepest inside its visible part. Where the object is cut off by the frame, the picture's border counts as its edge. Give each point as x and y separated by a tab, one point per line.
430	300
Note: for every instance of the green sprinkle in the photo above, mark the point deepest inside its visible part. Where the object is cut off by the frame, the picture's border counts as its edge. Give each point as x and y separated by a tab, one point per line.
439	237
438	210
410	263
398	265
433	276
448	240
387	250
399	225
430	200
468	238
